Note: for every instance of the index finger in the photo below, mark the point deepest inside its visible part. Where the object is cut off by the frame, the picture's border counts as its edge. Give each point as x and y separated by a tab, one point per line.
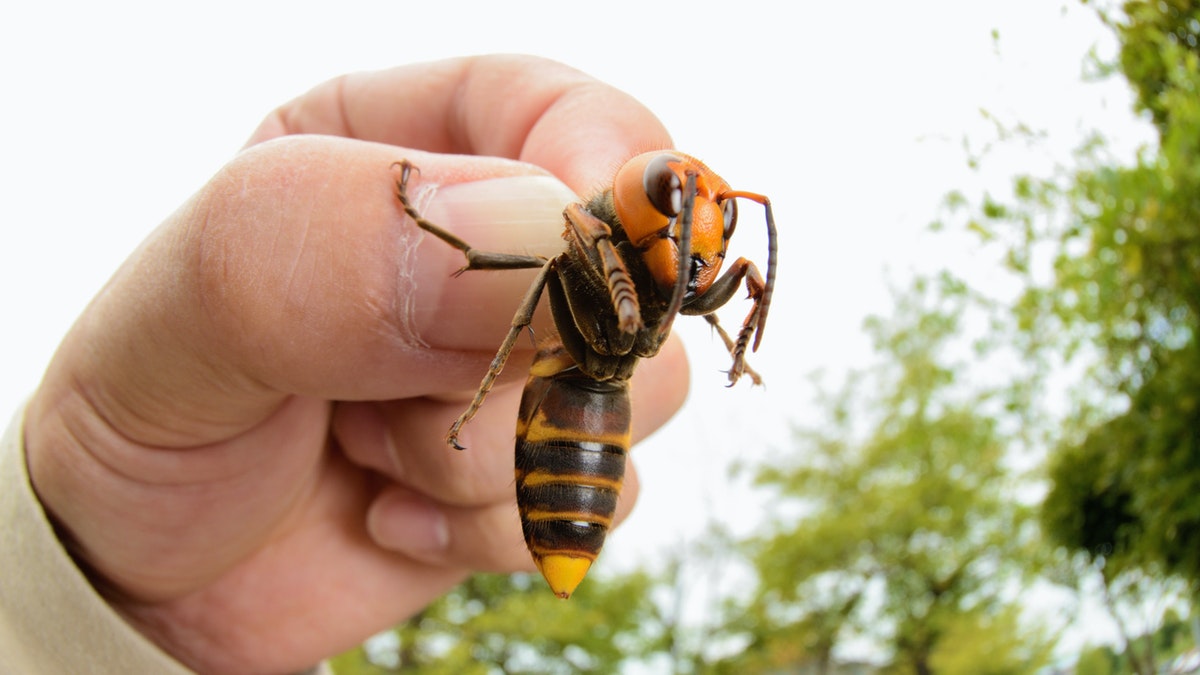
521	107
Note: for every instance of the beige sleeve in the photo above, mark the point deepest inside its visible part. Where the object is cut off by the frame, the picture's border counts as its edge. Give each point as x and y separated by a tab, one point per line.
51	620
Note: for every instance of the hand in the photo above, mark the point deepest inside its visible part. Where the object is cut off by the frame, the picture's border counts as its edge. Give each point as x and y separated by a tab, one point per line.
241	439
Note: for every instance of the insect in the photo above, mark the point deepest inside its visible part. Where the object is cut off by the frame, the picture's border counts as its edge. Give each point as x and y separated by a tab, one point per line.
639	253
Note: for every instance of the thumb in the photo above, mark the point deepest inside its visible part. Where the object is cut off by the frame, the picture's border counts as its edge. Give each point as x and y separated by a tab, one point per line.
296	272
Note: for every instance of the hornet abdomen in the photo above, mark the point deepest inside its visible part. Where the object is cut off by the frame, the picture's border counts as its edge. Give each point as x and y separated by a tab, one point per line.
572	439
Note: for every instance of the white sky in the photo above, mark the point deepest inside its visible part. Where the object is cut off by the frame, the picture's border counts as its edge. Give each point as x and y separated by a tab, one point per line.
851	116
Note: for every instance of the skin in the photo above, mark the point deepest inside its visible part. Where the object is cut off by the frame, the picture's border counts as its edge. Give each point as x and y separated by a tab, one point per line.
241	439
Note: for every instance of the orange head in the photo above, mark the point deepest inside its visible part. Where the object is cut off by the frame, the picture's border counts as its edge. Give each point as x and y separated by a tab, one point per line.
648	196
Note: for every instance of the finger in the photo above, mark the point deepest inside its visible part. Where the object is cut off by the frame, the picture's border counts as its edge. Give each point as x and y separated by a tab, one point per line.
458	508
405	441
659	388
483	538
561	119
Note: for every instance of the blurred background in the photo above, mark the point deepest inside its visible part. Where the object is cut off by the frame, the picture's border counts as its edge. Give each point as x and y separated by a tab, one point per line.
985	256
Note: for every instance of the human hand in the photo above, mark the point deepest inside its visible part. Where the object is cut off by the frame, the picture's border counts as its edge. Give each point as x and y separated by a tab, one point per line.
241	439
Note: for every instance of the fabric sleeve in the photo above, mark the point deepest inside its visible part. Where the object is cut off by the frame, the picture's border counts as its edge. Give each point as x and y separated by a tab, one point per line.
51	619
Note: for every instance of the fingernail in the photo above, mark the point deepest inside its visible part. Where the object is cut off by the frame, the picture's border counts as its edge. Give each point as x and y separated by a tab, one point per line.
406	523
527	209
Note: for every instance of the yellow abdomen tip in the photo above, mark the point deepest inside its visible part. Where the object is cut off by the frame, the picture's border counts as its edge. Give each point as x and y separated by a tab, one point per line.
563	572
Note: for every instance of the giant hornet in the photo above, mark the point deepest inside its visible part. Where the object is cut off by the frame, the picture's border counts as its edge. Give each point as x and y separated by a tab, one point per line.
637	254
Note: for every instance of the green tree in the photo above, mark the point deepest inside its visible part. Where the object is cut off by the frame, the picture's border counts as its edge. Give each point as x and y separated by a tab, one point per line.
676	618
995	644
512	624
1134	239
908	532
1124	286
1096	661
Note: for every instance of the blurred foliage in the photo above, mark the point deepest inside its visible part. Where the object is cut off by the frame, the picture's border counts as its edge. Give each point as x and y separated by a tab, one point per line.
512	624
997	644
1170	642
1097	660
909	530
1131	490
1107	251
1157	37
1124	240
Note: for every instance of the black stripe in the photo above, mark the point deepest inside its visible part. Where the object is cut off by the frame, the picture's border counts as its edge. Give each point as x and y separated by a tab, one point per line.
571	457
560	536
564	498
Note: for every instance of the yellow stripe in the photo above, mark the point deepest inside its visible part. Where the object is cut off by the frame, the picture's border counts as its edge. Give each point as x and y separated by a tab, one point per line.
550	364
573	516
539	478
540	429
540	551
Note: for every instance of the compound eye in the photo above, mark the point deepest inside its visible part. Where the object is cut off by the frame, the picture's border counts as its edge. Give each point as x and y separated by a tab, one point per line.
662	186
730	212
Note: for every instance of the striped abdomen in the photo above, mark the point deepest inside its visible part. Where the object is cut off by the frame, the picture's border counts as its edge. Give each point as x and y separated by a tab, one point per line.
572	438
